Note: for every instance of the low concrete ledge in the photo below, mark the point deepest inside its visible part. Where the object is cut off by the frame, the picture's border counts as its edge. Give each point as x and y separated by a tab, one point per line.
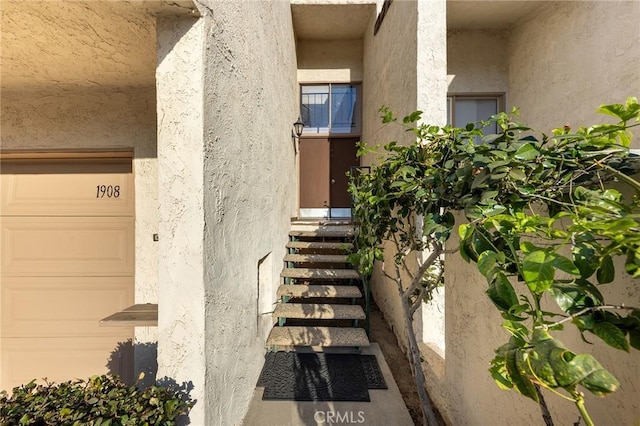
140	315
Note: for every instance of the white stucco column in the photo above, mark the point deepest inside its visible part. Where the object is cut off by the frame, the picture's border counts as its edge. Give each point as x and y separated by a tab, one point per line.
179	82
432	61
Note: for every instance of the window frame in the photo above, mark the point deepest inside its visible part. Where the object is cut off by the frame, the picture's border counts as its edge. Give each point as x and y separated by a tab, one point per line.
357	112
451	101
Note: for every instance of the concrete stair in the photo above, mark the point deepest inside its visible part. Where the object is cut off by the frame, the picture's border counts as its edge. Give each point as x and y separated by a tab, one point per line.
316	258
323	337
319	245
319	291
313	297
319	274
319	311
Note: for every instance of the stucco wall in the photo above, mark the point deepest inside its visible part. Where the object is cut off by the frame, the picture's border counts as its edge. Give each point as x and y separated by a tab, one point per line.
181	316
390	73
477	61
390	79
569	57
250	103
432	61
335	61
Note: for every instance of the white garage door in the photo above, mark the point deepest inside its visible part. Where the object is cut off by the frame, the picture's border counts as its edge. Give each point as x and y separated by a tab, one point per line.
67	260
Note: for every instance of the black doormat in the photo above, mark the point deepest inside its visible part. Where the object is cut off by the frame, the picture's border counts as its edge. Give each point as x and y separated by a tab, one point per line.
319	377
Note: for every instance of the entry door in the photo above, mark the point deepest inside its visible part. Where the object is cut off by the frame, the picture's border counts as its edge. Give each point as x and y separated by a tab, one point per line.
324	163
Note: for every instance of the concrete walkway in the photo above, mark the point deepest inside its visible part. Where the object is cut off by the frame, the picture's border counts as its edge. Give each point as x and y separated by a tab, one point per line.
386	407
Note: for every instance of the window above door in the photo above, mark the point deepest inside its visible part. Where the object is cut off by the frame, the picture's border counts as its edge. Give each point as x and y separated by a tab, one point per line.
330	109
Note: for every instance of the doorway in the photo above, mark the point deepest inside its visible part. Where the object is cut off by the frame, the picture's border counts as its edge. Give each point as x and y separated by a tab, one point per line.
331	115
324	163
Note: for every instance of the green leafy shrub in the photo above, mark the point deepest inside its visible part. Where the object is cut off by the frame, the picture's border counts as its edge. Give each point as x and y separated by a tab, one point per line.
98	401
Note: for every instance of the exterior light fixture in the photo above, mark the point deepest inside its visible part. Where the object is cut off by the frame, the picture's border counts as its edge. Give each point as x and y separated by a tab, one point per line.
298	126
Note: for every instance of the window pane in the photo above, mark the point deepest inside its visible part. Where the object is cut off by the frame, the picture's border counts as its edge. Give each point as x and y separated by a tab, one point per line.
314	108
344	106
471	110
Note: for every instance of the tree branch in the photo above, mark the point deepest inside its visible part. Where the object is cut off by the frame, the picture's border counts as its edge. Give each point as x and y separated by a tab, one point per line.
586	310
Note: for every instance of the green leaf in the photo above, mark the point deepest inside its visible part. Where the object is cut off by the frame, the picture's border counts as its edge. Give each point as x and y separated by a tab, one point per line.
622	112
632	263
514	364
412	118
600	382
517	174
611	335
634	339
519	331
501	292
572	297
606	272
538	271
486	263
563	264
499	372
585	258
527	152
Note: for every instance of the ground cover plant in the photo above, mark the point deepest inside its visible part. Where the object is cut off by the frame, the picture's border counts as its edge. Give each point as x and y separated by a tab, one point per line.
99	401
546	219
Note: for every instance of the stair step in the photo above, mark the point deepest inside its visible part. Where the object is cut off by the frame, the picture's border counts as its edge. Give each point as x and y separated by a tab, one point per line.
319	245
320	273
343	228
318	311
320	222
316	258
317	336
338	291
322	233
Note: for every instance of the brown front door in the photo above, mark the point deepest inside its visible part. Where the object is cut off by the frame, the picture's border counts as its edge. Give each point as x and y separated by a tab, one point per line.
324	163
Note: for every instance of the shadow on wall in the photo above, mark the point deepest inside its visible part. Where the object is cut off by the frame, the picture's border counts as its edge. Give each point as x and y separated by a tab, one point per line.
121	362
183	391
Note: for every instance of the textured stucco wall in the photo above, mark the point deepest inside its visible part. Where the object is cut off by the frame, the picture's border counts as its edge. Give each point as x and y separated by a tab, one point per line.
250	103
477	61
432	61
569	57
336	61
390	73
181	317
390	79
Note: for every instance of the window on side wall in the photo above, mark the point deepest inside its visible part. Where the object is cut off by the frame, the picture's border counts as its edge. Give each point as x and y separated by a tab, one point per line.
463	109
330	108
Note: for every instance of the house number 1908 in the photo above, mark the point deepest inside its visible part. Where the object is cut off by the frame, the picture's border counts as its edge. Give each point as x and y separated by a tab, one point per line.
109	191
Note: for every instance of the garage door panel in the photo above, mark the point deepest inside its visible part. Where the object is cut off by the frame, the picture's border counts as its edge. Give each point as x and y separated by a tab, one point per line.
67	251
61	307
25	359
67	246
66	188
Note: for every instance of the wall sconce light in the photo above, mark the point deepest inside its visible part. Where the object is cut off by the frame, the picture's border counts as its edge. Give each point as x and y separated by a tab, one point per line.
298	127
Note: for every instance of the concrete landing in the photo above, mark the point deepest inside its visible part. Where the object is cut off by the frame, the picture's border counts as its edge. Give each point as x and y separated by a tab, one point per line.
386	407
